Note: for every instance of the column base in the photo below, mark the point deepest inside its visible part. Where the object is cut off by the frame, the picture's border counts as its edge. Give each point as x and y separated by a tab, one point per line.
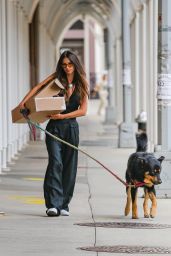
110	116
164	189
9	152
127	138
4	158
6	169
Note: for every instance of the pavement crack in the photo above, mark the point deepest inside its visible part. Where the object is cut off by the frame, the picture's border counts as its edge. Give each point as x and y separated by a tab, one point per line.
91	208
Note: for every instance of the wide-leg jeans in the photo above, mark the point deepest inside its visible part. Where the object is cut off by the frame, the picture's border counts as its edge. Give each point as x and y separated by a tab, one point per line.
61	171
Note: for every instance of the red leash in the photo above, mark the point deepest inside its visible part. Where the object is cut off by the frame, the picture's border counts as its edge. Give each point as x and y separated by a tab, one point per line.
35	125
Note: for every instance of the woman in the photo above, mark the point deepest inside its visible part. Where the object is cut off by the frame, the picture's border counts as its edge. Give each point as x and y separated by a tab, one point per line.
101	88
61	171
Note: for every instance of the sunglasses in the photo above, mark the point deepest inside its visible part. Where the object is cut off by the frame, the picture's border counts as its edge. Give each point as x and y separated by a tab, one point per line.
69	65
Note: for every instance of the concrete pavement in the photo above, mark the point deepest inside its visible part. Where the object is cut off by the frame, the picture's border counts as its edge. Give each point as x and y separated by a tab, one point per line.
99	197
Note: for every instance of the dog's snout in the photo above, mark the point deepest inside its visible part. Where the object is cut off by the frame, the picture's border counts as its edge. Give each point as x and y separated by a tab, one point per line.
159	181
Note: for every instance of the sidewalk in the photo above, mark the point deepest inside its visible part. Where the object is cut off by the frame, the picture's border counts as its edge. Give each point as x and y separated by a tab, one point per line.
99	197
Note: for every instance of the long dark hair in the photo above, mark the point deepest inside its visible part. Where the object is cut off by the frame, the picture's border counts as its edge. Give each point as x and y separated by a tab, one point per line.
81	85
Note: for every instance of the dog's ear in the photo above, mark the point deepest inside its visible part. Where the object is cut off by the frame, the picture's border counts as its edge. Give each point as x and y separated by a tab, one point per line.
161	158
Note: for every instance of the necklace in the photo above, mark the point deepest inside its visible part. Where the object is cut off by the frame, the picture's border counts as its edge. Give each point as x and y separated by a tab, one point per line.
70	85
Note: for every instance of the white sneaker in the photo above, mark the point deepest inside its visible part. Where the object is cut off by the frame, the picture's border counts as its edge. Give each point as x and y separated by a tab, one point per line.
52	212
64	212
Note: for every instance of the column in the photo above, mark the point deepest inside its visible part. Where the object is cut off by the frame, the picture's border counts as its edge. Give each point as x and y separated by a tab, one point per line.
144	57
152	53
11	60
23	83
16	98
87	49
137	63
42	51
164	92
118	79
100	45
1	112
164	75
127	128
110	117
4	85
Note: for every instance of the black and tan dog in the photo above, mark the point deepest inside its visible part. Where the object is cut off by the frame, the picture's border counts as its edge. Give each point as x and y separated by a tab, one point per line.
143	169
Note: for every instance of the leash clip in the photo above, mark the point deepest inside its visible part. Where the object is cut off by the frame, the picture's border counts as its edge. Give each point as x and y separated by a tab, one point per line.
25	112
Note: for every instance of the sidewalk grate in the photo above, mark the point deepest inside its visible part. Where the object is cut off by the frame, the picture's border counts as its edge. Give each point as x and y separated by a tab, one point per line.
129	249
132	225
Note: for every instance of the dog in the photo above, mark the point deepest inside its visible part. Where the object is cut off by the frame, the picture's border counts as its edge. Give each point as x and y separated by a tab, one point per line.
143	169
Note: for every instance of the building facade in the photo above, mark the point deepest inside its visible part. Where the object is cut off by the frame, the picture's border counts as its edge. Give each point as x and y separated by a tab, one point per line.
31	36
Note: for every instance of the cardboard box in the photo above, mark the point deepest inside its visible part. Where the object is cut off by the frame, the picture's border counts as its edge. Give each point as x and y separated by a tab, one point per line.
45	102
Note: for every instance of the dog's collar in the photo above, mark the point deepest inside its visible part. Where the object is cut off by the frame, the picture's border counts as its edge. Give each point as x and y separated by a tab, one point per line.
136	184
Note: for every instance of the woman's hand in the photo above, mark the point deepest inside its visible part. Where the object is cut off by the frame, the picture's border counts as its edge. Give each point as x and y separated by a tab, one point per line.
56	116
22	105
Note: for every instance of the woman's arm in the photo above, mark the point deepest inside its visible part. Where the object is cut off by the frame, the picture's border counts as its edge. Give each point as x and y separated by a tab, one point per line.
36	89
77	113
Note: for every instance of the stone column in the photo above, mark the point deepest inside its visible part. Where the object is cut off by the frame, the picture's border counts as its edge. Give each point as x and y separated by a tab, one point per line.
164	75
1	131
11	66
16	98
87	49
4	84
110	117
144	58
21	86
152	65
127	128
164	92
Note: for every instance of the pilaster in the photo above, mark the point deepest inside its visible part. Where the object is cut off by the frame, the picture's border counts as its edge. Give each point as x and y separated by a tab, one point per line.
127	128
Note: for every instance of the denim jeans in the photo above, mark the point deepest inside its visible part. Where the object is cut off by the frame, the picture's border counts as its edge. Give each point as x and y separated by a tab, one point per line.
61	171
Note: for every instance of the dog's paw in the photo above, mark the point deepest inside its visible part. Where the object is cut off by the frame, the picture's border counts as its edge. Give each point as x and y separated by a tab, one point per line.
134	217
146	216
127	211
152	216
153	212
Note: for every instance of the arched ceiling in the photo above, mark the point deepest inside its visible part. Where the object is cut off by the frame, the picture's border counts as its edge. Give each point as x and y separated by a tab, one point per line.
57	14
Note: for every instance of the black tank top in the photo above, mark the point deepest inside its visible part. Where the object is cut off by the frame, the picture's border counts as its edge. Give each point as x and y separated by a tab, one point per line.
73	103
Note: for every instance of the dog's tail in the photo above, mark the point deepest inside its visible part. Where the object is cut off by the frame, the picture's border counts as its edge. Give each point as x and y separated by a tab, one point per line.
142	142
